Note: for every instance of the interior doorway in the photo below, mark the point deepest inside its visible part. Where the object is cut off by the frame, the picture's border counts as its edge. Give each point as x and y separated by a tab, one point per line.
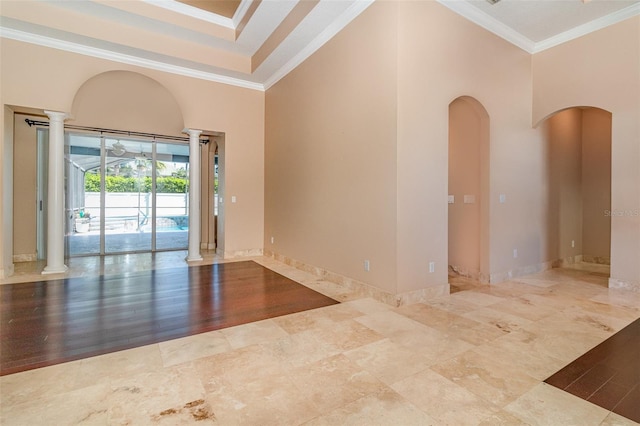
579	180
468	217
209	206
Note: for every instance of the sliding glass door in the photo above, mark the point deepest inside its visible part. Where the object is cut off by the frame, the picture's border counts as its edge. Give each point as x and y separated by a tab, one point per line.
125	195
172	197
128	196
83	202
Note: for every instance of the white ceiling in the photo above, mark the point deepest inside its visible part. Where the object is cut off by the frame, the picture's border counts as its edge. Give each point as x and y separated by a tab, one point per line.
266	39
535	25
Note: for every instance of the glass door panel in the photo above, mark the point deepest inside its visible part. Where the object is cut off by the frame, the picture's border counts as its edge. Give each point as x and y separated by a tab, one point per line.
82	201
172	212
128	200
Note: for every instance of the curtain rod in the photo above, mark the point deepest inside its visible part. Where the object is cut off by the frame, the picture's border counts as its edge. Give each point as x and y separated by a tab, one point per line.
115	132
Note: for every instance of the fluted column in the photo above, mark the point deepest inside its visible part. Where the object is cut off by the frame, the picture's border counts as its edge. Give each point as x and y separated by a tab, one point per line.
194	195
55	195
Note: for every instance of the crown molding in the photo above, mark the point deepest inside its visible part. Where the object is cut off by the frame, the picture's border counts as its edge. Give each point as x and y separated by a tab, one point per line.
81	49
489	23
477	16
334	28
193	12
589	27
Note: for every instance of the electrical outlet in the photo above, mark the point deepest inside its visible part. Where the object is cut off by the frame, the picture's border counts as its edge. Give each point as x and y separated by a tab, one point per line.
573	243
366	265
515	253
432	267
273	240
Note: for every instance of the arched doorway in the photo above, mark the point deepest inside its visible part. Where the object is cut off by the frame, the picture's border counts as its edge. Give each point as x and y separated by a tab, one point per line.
578	143
127	184
149	146
468	224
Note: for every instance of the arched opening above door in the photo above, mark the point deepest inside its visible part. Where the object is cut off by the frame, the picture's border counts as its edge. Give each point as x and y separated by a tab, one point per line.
129	101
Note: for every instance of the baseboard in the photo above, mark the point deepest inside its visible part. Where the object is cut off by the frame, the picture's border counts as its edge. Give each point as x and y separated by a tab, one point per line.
234	254
362	288
567	261
600	260
624	285
498	277
32	257
468	273
7	272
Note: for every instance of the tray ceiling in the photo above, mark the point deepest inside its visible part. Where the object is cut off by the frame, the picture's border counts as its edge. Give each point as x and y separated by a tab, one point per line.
254	43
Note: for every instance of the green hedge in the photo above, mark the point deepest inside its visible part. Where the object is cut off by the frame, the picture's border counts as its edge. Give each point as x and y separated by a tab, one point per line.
165	184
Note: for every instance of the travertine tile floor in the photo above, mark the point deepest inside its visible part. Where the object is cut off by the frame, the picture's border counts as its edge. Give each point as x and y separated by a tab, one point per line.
475	357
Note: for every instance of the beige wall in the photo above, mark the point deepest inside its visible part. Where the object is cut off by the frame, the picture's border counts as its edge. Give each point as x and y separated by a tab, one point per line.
441	57
330	154
127	101
596	184
337	109
24	188
601	70
237	112
564	183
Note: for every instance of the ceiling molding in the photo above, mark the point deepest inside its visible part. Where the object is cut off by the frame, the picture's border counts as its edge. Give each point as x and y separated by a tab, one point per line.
334	28
81	49
478	17
311	33
240	12
589	27
194	12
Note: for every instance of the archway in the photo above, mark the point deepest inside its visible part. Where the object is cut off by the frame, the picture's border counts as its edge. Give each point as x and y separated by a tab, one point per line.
129	101
468	224
140	197
579	185
141	118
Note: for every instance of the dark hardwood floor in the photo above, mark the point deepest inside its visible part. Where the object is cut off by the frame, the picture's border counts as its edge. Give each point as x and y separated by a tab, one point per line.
608	375
50	322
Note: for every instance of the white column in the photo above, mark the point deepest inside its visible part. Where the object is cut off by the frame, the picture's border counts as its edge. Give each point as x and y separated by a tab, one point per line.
55	194
194	195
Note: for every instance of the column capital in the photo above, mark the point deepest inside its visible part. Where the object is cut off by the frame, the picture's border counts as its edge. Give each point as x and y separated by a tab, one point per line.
192	132
57	115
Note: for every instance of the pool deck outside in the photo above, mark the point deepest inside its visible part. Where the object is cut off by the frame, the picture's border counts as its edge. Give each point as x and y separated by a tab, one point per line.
78	244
